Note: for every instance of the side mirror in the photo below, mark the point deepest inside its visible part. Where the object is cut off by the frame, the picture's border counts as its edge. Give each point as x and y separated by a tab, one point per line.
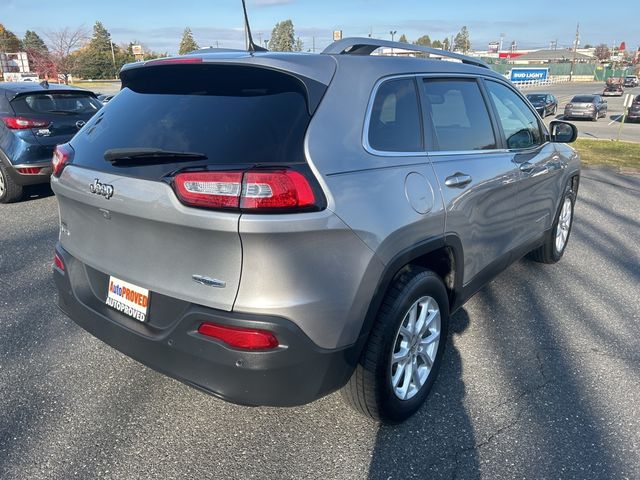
563	132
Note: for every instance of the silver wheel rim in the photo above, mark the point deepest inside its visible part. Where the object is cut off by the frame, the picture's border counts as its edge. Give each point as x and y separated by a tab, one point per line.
415	347
2	184
564	225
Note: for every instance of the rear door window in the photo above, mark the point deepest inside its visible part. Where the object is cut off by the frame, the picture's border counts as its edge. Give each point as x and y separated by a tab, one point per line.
519	123
394	123
458	114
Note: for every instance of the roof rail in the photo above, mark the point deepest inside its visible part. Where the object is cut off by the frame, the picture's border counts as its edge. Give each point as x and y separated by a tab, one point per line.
365	46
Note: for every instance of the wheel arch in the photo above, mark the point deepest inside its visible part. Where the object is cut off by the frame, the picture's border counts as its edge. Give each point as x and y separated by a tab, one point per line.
442	254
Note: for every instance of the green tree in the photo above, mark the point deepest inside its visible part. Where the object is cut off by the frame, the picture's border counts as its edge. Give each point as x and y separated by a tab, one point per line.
298	45
96	59
462	42
403	39
32	41
282	37
436	44
424	40
188	43
446	45
9	43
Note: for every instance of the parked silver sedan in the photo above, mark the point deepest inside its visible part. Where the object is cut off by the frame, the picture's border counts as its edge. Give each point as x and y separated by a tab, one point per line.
586	106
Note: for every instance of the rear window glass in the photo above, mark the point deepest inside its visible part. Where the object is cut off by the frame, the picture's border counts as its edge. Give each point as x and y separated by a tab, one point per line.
232	115
583	99
394	124
55	103
459	115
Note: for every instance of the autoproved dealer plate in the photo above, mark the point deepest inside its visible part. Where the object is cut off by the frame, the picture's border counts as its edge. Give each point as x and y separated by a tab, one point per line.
128	298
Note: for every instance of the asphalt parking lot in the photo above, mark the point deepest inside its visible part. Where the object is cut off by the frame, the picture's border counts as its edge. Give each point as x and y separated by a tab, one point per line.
605	128
540	380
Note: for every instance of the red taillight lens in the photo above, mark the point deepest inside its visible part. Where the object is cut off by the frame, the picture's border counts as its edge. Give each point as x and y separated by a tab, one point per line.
245	338
22	123
276	189
176	60
62	155
209	189
57	262
254	190
29	170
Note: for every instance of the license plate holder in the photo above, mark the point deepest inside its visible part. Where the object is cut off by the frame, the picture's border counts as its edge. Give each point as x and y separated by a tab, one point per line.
128	299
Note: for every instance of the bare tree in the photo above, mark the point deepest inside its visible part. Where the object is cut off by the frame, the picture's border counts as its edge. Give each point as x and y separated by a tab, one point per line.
602	52
62	44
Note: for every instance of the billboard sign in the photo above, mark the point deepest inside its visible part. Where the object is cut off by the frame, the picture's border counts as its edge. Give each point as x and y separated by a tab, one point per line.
529	74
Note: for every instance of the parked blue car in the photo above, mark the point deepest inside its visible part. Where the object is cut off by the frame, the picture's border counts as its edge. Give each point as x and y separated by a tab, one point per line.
34	118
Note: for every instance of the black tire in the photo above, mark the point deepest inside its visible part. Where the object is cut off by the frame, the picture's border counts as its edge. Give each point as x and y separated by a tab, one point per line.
547	252
369	391
9	190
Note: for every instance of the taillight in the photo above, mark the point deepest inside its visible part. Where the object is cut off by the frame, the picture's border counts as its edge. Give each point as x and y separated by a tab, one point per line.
174	60
57	262
22	123
254	190
29	170
62	155
276	189
244	338
209	189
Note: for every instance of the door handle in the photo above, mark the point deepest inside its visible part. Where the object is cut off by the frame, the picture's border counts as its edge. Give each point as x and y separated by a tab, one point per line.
457	180
527	167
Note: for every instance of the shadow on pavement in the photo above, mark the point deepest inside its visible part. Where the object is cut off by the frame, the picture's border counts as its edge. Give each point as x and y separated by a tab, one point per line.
440	437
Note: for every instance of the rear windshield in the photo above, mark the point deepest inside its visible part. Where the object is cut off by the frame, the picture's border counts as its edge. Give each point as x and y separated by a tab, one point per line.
583	99
56	103
232	115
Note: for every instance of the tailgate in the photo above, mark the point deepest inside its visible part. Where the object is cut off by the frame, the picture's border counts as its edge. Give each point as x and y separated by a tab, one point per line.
145	236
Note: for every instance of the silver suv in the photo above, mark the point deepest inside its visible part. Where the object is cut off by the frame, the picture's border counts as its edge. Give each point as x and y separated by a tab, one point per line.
270	227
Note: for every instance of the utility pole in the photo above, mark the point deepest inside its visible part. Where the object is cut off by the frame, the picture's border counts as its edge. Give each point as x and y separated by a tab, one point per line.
313	43
575	49
113	57
393	32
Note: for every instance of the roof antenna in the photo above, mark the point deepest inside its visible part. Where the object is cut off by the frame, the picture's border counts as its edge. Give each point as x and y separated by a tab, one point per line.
252	47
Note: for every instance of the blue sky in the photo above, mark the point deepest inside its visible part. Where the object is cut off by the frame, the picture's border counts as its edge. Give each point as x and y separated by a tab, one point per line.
158	24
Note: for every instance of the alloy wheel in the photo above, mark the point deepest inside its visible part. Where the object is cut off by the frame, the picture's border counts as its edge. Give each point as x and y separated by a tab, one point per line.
564	225
415	348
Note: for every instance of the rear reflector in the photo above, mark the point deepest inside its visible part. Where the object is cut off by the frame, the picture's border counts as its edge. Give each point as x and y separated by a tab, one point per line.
62	155
276	190
244	338
29	170
22	123
57	262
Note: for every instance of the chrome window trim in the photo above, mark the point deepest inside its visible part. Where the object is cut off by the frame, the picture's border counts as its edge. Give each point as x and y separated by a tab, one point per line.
426	152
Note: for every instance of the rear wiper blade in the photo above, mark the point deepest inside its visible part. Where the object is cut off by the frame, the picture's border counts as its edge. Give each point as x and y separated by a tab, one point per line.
65	112
156	155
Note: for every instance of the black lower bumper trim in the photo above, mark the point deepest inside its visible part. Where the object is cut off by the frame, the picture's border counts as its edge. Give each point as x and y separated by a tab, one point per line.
295	373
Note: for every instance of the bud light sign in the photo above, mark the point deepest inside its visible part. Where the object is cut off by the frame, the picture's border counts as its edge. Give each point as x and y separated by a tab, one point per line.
529	74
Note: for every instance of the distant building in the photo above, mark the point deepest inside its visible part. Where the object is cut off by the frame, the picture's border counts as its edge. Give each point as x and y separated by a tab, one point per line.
14	62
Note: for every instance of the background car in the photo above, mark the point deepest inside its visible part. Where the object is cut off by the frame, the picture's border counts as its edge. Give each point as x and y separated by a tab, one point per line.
634	110
586	106
544	103
631	81
34	118
613	91
105	98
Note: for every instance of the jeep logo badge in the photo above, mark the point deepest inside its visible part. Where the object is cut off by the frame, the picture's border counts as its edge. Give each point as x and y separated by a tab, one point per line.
101	189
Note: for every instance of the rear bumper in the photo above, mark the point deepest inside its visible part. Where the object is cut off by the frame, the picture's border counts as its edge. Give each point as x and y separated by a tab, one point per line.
27	179
295	373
